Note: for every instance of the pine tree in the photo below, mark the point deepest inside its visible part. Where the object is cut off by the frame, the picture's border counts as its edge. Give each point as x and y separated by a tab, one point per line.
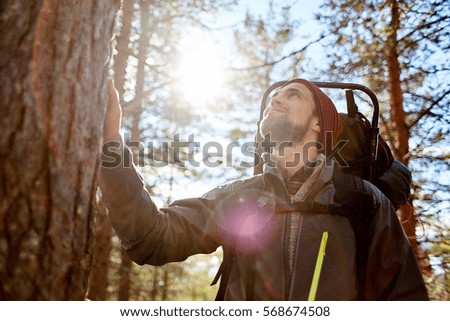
398	49
53	99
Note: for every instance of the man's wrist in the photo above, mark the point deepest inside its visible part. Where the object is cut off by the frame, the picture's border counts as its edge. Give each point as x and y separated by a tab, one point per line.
112	153
112	137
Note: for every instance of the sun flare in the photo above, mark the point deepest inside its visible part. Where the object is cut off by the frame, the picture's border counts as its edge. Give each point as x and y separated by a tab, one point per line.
201	69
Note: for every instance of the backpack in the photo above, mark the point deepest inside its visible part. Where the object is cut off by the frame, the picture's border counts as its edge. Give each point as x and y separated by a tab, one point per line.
379	166
368	156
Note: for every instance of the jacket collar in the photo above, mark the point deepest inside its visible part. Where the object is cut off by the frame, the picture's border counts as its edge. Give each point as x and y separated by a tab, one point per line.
323	178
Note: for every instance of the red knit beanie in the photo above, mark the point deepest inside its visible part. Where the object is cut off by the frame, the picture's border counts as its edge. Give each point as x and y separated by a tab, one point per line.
329	119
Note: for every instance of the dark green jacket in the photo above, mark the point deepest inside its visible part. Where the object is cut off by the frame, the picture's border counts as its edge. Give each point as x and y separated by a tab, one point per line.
240	216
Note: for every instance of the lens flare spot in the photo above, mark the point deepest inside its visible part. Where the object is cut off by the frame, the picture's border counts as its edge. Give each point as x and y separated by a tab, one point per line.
246	226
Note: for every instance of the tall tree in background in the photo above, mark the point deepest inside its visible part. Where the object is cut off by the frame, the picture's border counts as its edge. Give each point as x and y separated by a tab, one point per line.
53	97
398	49
143	72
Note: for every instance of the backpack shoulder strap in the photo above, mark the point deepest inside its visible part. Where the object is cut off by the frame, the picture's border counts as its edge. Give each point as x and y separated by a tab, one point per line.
353	202
361	208
224	273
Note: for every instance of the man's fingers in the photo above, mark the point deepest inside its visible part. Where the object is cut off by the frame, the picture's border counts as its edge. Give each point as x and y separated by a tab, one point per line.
113	93
113	114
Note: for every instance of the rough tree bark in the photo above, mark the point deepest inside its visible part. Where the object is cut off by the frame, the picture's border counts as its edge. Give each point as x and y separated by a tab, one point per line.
54	67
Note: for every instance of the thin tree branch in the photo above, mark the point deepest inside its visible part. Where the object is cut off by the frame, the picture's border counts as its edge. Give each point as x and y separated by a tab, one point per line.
209	28
427	111
425	36
274	62
132	104
432	70
422	26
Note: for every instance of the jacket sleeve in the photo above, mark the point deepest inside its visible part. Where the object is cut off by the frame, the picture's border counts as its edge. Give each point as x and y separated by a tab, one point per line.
150	235
392	269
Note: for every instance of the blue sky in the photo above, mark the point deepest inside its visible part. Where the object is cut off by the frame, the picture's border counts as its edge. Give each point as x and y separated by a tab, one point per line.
309	30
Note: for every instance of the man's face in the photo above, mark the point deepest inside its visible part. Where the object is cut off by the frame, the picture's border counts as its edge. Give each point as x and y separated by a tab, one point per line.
290	114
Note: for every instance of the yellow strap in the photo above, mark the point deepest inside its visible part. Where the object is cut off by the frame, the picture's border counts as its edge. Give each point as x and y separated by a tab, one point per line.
318	269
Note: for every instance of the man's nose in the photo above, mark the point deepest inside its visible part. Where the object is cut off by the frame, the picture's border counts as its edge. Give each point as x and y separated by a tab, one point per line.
276	101
273	103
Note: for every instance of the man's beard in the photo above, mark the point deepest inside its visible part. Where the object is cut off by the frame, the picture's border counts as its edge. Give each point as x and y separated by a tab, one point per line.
281	130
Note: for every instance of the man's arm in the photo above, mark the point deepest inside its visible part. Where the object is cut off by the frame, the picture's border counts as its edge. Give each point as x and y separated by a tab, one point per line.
392	269
148	234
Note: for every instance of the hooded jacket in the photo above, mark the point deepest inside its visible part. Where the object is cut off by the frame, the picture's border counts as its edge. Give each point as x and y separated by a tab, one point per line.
241	217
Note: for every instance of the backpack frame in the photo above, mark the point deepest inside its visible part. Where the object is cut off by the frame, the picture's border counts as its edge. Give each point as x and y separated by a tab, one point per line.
352	111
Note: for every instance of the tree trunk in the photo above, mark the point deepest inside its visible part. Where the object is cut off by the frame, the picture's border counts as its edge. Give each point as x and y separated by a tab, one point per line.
165	287
123	51
402	133
155	282
144	40
124	277
398	115
99	281
53	66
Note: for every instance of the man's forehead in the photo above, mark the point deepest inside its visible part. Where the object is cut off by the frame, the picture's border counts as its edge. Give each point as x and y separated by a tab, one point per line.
296	87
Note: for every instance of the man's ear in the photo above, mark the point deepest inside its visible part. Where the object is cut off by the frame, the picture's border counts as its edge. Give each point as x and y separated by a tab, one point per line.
315	126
